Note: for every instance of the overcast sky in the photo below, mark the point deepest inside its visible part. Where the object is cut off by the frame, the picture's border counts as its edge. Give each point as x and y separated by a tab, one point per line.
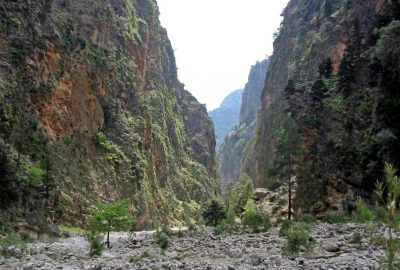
216	41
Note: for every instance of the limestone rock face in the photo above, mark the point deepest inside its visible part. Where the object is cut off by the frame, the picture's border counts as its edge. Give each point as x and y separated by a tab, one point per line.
331	71
91	111
236	144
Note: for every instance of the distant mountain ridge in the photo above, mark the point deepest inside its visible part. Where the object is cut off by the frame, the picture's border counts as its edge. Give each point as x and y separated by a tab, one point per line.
234	147
227	115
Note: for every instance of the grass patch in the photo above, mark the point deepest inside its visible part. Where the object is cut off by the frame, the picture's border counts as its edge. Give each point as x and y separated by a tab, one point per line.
145	255
72	230
357	237
307	218
13	245
335	217
362	213
286	225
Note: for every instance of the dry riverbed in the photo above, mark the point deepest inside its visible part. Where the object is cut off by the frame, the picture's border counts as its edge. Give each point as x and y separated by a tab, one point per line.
204	250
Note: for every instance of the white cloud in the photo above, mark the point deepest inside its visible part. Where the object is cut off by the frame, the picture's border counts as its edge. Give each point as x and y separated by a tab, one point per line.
216	41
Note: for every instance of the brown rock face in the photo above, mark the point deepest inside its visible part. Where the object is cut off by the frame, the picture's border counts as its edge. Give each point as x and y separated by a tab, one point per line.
72	105
99	110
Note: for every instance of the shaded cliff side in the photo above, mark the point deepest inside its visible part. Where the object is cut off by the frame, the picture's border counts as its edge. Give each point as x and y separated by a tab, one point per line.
91	111
226	116
334	70
235	145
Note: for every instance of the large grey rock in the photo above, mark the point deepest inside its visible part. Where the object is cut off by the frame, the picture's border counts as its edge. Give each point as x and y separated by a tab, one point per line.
255	260
331	247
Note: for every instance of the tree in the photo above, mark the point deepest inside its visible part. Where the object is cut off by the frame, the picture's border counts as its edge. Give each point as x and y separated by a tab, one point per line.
240	194
253	218
112	217
214	213
326	68
290	88
288	147
317	95
328	8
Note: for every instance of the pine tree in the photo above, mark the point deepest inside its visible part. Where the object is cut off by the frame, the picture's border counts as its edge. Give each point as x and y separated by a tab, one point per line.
214	213
328	8
326	68
318	92
287	150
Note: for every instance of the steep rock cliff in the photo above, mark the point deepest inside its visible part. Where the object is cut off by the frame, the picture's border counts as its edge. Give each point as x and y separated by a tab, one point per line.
91	111
226	116
235	145
330	71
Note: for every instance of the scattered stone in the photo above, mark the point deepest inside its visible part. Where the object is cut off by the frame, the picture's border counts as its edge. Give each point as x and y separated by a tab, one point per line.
331	247
255	260
29	266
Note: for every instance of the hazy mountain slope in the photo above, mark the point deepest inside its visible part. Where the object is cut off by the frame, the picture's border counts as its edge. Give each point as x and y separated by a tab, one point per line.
237	142
226	116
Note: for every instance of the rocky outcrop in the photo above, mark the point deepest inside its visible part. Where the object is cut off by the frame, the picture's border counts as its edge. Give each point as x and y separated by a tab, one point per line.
237	143
251	100
91	111
330	71
226	116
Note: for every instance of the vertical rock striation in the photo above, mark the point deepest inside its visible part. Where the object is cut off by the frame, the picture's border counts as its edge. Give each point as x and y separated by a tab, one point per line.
91	111
236	144
331	70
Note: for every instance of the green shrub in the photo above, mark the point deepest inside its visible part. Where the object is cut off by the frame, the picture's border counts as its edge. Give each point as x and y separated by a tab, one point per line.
214	213
306	218
389	193
252	218
224	227
36	174
297	237
165	229
180	234
96	243
231	217
136	259
335	217
379	212
362	213
357	237
162	240
12	245
6	225
220	229
286	225
193	229
240	194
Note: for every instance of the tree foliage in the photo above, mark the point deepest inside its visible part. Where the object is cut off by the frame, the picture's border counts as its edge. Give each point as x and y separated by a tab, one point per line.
214	213
240	194
326	68
253	218
112	217
287	151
